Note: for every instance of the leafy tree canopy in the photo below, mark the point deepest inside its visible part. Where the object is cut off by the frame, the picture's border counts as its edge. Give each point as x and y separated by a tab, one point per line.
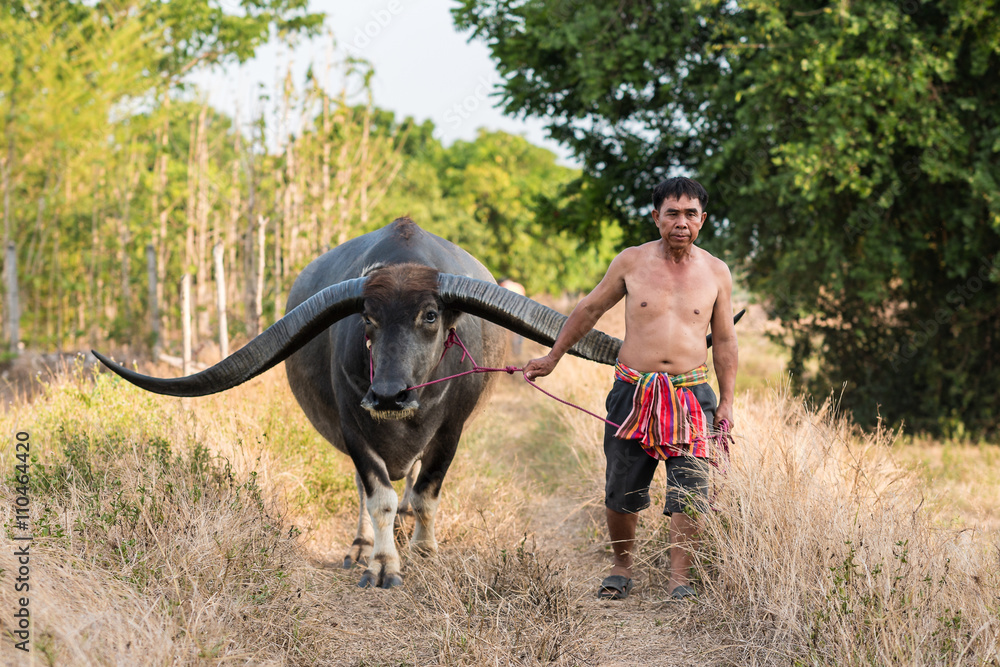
491	196
851	150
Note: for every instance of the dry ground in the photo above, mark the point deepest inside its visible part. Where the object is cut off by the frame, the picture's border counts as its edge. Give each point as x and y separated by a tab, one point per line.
208	531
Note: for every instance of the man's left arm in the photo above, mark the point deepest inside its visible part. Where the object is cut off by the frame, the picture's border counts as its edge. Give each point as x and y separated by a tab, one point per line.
725	353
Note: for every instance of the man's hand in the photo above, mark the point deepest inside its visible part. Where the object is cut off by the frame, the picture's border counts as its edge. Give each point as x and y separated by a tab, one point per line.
724	411
540	367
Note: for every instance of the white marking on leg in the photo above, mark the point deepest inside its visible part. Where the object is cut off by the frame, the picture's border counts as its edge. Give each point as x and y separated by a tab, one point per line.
425	508
361	548
382	508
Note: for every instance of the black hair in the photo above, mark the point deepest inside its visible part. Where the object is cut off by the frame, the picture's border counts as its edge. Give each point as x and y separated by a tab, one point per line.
674	188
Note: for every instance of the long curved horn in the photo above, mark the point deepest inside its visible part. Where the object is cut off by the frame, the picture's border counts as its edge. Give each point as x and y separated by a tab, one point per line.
522	315
277	343
527	317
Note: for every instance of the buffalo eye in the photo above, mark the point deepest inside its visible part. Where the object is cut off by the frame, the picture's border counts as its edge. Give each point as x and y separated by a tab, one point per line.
368	320
430	317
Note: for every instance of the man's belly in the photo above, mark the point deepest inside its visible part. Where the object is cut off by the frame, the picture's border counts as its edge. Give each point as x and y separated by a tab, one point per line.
674	352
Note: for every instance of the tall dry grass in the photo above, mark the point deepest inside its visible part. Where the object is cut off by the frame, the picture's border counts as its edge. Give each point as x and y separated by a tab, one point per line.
202	532
826	549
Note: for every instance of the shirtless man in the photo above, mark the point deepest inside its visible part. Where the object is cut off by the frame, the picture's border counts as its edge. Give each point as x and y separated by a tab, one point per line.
673	292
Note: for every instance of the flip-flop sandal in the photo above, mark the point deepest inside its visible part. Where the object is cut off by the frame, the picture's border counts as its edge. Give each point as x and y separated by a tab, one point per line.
683	593
614	587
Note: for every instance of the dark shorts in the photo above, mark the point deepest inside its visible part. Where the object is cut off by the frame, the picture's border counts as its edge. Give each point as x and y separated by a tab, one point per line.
630	469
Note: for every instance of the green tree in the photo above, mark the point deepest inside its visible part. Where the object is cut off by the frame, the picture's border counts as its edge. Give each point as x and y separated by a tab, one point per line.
81	91
852	151
491	196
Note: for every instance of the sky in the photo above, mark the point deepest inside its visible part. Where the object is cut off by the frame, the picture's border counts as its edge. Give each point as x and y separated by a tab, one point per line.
423	68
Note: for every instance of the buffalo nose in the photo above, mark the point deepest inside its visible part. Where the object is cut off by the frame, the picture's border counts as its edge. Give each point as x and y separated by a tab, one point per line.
389	396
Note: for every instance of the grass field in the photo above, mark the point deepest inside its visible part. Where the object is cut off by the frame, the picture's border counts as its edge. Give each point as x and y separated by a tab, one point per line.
208	531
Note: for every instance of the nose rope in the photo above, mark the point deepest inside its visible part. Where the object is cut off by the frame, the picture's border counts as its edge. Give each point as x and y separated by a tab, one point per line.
453	340
724	436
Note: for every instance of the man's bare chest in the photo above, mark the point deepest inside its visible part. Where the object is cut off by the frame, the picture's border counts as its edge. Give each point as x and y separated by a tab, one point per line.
686	298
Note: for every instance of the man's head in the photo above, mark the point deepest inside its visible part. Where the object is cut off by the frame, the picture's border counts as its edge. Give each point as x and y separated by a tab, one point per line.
679	211
674	188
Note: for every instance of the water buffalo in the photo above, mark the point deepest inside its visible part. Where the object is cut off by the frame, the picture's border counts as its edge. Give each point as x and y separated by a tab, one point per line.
367	321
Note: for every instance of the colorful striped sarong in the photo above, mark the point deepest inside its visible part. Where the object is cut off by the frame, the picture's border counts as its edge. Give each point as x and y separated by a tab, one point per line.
666	416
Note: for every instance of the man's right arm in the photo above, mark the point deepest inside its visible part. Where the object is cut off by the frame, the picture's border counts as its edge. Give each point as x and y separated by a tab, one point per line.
608	292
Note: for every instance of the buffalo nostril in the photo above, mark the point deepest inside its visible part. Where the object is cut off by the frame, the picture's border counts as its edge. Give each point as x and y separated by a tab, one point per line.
401	396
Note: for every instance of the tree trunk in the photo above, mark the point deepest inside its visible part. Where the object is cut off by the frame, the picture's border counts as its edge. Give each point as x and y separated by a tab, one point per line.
161	213
13	317
282	223
191	210
124	261
232	232
13	307
258	306
55	293
290	221
202	208
94	293
154	302
220	295
323	238
365	163
344	183
186	322
250	312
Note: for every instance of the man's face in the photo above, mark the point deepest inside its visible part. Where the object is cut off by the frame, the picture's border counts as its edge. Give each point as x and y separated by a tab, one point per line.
679	221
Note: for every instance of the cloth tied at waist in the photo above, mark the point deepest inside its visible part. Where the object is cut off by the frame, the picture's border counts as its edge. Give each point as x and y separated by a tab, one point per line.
666	416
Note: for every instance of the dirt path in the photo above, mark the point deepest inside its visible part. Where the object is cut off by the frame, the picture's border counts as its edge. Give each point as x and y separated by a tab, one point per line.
445	614
569	527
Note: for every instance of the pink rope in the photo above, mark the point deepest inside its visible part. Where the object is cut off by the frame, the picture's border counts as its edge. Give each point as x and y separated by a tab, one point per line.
572	405
453	340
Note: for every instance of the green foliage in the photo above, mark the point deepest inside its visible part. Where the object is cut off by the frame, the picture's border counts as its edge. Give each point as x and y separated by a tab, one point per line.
850	151
492	198
81	92
106	152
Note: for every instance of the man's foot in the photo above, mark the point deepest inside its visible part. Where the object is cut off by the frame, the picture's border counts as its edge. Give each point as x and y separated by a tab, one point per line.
683	593
614	587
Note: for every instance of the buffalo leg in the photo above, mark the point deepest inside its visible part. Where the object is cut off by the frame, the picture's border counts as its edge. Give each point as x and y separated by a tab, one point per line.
426	494
384	569
361	548
381	501
411	477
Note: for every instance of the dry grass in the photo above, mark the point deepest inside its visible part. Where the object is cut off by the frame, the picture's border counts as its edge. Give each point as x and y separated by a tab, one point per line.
822	549
199	532
963	480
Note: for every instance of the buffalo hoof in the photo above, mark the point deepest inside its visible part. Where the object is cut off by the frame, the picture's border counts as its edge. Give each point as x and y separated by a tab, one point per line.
350	562
423	549
370	580
358	553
